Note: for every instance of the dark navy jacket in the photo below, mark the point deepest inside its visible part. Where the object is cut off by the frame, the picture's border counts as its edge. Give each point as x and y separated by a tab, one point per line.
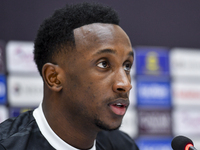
22	133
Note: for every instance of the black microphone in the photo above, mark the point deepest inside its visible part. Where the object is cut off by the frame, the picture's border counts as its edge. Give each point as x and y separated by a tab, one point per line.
182	143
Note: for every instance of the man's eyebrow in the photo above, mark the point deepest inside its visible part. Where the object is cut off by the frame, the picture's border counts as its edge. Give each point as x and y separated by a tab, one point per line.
106	51
113	52
131	54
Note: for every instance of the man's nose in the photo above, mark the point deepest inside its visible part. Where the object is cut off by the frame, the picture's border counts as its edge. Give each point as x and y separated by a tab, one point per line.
122	83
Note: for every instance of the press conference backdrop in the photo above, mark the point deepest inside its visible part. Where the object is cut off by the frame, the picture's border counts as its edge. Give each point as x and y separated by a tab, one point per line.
165	97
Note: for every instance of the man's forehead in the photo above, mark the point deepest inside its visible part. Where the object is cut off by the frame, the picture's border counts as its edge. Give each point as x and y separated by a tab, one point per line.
94	29
93	26
98	33
99	36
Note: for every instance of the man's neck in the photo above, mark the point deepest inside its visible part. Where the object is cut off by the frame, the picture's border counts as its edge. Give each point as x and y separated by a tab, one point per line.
69	129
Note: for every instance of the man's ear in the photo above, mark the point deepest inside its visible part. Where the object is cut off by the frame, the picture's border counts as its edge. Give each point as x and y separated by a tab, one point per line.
52	75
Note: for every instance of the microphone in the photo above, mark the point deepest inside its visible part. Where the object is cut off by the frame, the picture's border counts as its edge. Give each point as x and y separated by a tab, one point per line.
182	143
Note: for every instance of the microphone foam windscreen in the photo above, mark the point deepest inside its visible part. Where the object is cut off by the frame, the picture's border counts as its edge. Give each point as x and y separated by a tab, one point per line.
179	142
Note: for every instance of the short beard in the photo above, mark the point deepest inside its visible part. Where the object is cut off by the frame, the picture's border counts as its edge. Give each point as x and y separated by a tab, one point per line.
104	126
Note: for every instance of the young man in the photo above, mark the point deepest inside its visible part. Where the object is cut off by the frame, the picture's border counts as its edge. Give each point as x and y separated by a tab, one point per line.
84	58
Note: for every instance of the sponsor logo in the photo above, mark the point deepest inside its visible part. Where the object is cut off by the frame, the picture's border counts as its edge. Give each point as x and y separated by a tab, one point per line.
152	61
153	93
2	89
154	122
186	121
20	57
185	62
154	143
186	93
24	91
27	90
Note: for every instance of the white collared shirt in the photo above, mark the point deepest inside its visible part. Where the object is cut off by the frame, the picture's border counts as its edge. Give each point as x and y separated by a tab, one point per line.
54	140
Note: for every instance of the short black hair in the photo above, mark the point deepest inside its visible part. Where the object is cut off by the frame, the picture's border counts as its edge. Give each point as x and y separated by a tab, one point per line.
56	32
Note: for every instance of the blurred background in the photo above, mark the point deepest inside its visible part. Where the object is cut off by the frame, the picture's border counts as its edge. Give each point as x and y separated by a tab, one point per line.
165	35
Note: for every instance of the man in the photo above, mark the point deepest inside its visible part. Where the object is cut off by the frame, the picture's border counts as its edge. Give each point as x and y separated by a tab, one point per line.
84	58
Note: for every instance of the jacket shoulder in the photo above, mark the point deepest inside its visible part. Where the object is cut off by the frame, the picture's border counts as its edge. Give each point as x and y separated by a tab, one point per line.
115	140
22	133
13	126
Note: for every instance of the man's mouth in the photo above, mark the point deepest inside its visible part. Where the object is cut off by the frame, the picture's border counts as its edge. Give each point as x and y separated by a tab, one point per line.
119	105
119	108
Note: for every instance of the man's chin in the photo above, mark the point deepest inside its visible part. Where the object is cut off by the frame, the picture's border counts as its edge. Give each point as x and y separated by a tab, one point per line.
103	126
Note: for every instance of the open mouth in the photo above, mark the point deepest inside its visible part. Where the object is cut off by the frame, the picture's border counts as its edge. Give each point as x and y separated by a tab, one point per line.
119	108
119	105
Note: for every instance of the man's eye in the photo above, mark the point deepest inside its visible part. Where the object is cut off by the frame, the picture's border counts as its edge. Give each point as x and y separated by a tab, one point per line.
127	67
103	64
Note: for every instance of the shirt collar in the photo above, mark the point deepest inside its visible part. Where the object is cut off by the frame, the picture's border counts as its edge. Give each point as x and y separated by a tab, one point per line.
54	140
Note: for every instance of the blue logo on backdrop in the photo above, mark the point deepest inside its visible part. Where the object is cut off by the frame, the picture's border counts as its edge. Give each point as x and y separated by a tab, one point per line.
154	144
153	93
152	61
2	89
